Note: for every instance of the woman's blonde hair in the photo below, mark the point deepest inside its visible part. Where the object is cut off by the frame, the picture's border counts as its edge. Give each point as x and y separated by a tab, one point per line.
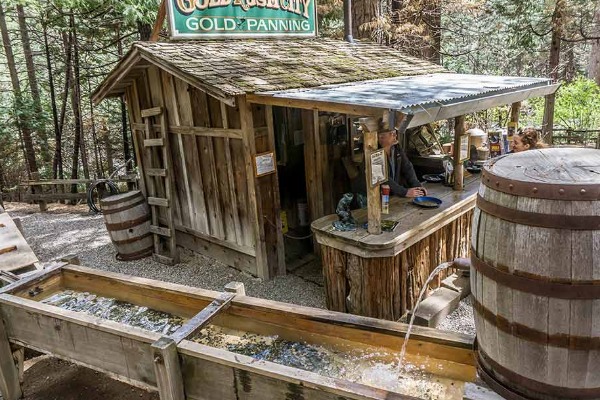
531	136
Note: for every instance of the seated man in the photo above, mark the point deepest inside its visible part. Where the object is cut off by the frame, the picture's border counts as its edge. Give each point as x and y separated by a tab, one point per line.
402	179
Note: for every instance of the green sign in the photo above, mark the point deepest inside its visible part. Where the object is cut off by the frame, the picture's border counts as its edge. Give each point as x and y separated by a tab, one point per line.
241	18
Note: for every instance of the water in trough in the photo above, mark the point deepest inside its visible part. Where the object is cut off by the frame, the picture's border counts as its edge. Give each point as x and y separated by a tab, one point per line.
379	368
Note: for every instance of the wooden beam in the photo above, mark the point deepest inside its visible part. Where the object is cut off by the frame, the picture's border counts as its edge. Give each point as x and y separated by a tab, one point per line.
168	370
54	196
151	112
32	279
10	387
281	269
256	215
201	319
313	105
373	194
160	19
459	171
196	130
157	201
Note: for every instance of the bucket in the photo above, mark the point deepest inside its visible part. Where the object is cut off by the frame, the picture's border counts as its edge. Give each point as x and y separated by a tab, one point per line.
127	219
534	274
303	213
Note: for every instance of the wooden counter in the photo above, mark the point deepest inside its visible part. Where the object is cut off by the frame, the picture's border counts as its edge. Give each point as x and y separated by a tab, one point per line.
381	275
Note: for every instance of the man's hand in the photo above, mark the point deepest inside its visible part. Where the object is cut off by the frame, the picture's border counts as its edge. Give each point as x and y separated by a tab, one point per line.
416	192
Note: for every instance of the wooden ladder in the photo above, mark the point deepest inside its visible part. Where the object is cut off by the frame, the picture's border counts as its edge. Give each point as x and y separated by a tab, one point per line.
159	186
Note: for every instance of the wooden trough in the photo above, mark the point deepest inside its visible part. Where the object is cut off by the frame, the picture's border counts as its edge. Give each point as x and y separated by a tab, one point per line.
183	369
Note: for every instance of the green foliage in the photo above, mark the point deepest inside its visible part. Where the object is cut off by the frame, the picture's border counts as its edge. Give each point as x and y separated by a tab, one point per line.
577	106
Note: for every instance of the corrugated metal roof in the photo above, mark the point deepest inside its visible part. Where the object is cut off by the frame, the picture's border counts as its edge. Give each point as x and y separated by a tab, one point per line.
426	98
410	94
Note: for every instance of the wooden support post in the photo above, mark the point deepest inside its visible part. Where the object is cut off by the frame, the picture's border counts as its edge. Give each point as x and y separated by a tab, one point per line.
35	189
373	194
168	370
19	357
9	373
459	130
515	109
236	287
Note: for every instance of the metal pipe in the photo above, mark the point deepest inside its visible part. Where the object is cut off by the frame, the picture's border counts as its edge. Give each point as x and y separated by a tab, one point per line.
348	21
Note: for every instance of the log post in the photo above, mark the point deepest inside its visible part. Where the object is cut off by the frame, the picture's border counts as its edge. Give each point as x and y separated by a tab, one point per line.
168	370
515	109
459	131
373	195
9	373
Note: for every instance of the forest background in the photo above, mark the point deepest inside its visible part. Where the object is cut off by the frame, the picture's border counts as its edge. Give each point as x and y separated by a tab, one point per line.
56	52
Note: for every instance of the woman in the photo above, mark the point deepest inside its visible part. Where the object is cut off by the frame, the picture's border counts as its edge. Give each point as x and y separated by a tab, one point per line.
526	140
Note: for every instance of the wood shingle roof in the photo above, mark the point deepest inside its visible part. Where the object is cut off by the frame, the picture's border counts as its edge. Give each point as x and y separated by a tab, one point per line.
236	67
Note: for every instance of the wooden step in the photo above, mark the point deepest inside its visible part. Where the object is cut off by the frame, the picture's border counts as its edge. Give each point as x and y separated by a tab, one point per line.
156	172
154	142
158	201
151	112
157	230
163	259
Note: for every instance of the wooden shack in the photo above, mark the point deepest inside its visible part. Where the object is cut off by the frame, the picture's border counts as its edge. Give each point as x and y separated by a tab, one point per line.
215	129
203	113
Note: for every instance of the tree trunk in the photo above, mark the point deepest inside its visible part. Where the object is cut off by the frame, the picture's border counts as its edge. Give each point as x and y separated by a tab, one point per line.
145	30
570	67
76	102
33	85
124	129
97	154
432	21
594	64
557	25
67	44
363	11
14	77
57	162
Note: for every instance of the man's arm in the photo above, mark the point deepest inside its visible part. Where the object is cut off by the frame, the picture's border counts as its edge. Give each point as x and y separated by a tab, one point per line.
396	188
408	171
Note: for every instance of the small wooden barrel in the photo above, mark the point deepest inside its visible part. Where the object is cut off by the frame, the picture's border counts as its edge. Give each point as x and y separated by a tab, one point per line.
535	274
127	219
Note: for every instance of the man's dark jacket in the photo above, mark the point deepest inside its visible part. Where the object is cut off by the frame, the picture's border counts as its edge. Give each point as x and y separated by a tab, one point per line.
405	176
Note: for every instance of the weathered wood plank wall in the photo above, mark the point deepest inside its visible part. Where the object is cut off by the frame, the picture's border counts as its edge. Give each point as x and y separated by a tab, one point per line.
217	198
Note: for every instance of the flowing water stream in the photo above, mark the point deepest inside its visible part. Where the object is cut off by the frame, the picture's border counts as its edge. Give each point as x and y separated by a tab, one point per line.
436	271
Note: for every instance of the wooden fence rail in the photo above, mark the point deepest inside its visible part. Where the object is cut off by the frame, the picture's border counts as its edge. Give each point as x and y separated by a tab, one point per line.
575	137
52	190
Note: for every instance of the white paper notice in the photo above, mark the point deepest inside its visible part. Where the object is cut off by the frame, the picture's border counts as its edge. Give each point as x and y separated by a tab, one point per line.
377	174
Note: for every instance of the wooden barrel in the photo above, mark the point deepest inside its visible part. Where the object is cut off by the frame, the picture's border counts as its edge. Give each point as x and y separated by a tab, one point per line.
127	219
535	274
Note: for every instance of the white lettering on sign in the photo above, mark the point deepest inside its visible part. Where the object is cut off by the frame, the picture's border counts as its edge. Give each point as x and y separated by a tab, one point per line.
209	24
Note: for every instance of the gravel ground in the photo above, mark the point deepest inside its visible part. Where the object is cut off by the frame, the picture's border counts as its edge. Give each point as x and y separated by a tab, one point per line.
460	320
65	230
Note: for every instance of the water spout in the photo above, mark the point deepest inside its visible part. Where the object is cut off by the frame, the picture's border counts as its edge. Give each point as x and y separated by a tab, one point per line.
436	271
